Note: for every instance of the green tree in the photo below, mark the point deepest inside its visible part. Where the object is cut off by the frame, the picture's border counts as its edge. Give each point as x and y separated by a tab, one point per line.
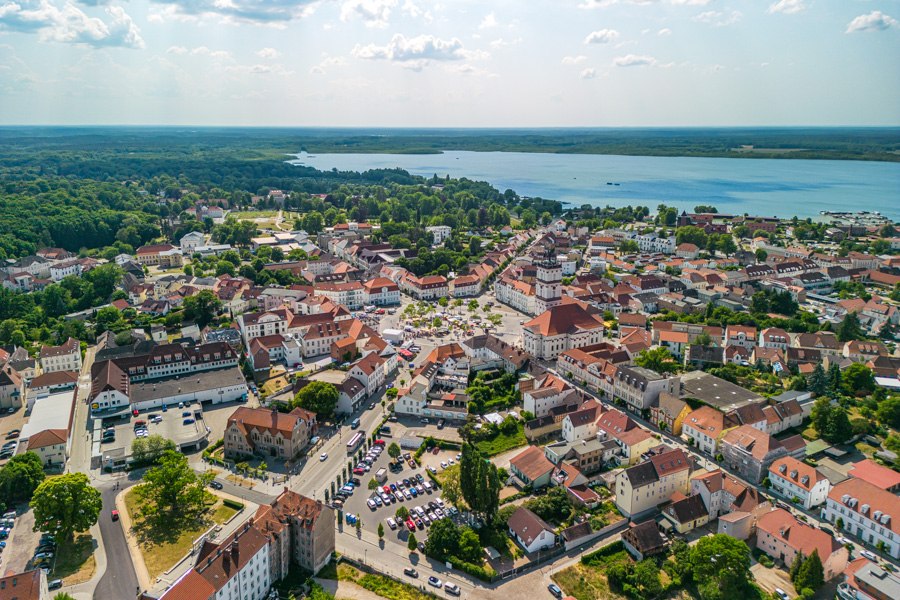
691	235
723	562
313	222
657	359
817	382
402	513
380	530
646	578
20	477
479	483
838	428
412	543
373	484
888	412
173	487
443	540
63	596
858	380
393	450
148	449
850	329
834	378
319	397
470	549
66	504
811	573
201	308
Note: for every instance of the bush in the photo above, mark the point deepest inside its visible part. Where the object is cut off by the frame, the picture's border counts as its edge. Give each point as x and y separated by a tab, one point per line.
598	556
233	504
483	573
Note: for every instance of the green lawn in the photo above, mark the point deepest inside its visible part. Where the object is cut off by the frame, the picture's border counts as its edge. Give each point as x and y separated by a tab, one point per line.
164	542
75	561
503	442
380	585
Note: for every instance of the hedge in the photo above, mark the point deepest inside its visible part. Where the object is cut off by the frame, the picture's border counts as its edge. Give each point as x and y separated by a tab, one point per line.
233	504
483	573
613	548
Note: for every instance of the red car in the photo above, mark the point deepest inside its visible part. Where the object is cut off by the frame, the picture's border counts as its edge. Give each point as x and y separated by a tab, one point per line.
115	515
387	489
359	471
410	524
379	442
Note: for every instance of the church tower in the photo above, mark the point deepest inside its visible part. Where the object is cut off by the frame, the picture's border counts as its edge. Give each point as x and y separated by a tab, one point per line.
548	286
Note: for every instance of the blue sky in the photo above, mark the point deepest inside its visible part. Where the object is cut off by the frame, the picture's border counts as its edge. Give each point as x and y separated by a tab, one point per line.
417	63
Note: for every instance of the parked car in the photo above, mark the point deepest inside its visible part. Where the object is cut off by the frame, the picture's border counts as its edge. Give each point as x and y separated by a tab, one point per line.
452	589
870	555
323	457
54	584
435	582
555	590
215	485
410	572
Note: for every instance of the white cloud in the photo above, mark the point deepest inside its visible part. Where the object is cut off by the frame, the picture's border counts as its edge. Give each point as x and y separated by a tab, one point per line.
664	32
574	60
69	24
327	62
317	70
689	2
416	52
601	36
634	60
501	42
591	4
874	21
588	74
268	53
261	12
488	22
375	13
177	50
788	7
719	18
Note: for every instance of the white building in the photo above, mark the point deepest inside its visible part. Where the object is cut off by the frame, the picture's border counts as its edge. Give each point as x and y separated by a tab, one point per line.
381	291
867	512
439	232
66	357
190	241
64	269
562	328
791	479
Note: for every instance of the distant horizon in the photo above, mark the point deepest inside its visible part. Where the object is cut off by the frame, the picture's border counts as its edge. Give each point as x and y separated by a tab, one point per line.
440	127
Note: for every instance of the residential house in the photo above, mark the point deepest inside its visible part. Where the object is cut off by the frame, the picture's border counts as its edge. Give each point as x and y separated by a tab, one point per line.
749	452
780	535
878	475
51	446
65	357
640	388
686	514
30	585
12	388
669	413
705	428
530	531
798	482
532	467
644	486
866	580
643	540
866	511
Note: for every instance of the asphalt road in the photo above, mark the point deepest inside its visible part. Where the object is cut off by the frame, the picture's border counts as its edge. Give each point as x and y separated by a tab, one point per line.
120	580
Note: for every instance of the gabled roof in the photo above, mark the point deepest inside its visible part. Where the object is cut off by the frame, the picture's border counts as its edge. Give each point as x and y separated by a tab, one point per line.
48	437
879	476
526	525
532	463
564	319
801	537
687	509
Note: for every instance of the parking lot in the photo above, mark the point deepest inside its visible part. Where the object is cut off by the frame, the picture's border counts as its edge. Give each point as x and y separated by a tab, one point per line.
184	426
357	505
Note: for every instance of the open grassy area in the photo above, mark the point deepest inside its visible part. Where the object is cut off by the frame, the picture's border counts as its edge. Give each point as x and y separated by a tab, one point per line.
583	583
379	584
503	442
245	215
164	541
75	561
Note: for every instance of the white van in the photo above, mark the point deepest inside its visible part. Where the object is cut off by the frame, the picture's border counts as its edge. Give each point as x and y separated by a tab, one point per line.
392	523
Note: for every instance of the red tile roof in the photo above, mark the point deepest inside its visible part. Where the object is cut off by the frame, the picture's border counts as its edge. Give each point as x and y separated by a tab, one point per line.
878	475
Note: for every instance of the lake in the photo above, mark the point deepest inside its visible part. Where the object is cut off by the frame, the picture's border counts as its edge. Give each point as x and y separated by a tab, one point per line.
763	187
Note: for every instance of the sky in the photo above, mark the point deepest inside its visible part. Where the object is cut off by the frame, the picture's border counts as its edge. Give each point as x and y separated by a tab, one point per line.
451	63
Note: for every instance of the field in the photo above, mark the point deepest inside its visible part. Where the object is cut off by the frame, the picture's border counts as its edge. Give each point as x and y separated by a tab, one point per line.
503	442
163	545
75	561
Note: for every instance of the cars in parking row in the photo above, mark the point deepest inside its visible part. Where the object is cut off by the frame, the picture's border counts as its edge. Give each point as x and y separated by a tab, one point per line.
422	516
365	465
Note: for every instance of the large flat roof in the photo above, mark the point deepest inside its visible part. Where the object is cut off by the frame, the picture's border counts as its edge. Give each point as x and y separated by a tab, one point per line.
716	392
50	412
186	384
